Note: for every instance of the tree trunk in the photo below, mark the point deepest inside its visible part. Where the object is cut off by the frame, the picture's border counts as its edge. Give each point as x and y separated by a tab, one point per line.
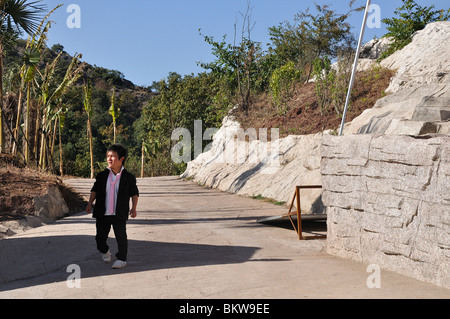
27	125
52	148
91	147
61	170
142	160
114	132
43	142
2	141
19	113
42	156
36	131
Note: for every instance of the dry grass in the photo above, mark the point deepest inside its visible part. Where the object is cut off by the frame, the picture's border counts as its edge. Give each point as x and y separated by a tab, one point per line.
302	114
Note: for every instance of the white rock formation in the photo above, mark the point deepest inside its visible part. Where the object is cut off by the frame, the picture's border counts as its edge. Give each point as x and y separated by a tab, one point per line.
419	93
373	49
426	60
250	168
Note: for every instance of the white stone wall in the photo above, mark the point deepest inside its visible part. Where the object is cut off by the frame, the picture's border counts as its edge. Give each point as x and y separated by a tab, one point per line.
388	202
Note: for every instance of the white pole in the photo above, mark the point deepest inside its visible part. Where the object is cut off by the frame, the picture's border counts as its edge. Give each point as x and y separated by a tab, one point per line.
355	65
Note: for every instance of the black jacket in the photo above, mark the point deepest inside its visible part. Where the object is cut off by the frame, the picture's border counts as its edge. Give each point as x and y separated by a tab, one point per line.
127	189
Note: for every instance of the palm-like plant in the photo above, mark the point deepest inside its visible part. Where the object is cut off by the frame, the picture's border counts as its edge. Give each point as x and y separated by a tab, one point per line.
114	111
16	17
88	108
53	109
32	56
21	15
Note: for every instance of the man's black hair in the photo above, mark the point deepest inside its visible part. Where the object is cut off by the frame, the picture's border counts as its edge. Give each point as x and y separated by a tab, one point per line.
120	150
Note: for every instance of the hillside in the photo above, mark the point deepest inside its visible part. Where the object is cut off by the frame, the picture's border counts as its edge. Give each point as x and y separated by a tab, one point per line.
101	77
130	100
303	114
20	185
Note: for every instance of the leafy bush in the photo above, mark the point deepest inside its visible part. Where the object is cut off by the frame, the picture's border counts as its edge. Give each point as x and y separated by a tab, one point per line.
341	82
324	77
332	83
411	18
283	82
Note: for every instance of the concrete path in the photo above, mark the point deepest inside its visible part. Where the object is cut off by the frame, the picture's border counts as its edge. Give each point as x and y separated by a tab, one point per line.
190	242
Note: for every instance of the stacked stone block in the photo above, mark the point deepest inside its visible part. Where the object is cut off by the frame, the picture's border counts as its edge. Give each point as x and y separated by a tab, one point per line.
388	202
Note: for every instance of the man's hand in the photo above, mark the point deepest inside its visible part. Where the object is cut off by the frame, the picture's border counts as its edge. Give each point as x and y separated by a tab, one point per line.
91	200
134	201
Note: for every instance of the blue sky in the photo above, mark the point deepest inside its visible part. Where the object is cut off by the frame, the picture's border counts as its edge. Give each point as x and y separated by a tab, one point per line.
147	39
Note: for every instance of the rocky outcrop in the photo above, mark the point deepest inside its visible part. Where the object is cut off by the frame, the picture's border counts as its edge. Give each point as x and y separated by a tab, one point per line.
418	100
388	202
412	111
250	166
426	60
370	53
47	208
51	205
373	49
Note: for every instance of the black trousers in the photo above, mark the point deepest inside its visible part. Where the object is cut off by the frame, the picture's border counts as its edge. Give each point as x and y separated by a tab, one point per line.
103	225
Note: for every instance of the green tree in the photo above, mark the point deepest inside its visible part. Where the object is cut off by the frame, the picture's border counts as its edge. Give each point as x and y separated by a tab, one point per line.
341	79
32	57
237	66
411	17
179	103
44	95
331	83
312	35
238	63
283	83
287	43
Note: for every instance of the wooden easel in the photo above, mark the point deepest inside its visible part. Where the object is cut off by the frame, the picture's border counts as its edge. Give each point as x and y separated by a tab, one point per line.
298	227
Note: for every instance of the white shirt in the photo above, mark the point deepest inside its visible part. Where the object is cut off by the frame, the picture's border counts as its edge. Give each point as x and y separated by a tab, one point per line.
112	211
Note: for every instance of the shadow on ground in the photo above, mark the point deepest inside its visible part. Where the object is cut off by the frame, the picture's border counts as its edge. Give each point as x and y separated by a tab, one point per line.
42	260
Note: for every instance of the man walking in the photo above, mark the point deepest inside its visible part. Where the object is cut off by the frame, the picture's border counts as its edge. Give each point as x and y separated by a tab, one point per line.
112	191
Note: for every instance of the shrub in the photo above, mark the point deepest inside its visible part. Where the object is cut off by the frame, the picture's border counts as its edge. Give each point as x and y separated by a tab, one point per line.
324	77
411	18
282	84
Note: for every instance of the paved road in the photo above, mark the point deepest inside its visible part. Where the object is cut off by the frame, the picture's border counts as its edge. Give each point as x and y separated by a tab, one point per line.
189	242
